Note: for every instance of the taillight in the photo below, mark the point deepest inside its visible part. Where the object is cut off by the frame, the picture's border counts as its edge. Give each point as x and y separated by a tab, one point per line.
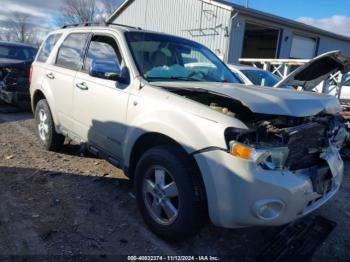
30	74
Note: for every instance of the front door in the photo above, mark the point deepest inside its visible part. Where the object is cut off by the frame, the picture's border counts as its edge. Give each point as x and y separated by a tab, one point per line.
100	104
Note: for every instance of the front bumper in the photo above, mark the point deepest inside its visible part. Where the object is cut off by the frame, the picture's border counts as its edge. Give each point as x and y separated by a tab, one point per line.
13	97
236	187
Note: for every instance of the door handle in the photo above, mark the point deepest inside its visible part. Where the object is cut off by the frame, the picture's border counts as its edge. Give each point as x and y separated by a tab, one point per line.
82	86
50	76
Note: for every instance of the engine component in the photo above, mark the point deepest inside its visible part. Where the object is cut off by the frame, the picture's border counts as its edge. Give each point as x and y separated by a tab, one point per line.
221	109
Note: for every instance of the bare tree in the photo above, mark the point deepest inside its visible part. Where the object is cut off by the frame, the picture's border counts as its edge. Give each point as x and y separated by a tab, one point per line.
20	28
20	25
8	36
79	11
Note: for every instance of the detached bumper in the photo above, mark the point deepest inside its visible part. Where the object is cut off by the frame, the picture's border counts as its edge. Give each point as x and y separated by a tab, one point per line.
241	193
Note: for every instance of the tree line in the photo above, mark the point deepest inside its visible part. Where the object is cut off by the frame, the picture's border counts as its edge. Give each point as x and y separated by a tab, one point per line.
21	28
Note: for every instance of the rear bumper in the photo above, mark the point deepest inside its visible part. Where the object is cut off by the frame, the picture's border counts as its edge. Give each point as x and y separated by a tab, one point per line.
237	190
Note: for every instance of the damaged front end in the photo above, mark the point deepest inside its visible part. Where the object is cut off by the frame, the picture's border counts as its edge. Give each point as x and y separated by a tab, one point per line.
294	140
286	131
14	85
289	142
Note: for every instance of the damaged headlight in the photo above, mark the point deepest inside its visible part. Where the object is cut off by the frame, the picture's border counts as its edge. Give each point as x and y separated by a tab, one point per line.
268	158
277	158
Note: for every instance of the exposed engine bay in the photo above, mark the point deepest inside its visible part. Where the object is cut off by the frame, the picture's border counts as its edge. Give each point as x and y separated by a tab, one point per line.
305	137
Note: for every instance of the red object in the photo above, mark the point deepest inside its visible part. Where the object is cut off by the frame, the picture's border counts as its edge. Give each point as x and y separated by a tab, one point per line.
30	74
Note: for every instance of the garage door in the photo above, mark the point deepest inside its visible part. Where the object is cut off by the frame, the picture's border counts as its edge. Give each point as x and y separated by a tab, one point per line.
303	47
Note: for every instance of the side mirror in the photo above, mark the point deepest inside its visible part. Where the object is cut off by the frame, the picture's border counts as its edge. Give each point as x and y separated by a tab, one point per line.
107	70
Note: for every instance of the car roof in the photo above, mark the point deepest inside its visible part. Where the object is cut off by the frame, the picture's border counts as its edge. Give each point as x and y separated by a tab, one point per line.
114	27
17	44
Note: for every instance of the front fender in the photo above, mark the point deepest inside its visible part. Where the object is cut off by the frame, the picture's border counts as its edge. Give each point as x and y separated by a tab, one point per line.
190	131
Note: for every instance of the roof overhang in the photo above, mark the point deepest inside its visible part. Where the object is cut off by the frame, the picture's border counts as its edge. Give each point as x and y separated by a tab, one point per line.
255	14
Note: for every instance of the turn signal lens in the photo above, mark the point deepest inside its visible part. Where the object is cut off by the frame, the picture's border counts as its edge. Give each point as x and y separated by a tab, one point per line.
269	158
241	151
247	152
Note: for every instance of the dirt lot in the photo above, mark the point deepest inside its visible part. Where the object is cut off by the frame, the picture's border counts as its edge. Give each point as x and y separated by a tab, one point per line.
67	204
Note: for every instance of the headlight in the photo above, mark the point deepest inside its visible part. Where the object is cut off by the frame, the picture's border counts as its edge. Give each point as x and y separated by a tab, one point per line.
269	158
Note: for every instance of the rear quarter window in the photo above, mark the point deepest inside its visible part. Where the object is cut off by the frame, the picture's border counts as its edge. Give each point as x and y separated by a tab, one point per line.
47	47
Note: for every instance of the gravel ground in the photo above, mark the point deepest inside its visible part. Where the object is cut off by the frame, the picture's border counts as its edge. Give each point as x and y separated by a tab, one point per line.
68	204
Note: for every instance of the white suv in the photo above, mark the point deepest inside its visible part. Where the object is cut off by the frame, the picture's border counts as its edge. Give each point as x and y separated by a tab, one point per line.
194	140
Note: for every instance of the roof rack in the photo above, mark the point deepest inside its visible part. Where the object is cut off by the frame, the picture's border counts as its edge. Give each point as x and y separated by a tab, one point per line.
84	24
128	26
80	24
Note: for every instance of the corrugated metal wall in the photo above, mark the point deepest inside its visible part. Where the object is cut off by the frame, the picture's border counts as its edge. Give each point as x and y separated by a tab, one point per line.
193	19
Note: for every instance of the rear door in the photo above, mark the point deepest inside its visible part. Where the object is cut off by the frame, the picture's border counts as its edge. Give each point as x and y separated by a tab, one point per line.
39	66
100	105
61	74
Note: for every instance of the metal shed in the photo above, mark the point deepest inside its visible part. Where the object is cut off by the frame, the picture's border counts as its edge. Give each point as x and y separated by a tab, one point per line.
230	30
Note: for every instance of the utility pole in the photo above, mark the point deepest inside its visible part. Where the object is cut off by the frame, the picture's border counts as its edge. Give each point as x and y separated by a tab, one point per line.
247	3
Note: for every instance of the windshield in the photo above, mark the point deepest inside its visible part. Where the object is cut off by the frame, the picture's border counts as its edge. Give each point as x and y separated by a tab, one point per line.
169	58
17	52
261	78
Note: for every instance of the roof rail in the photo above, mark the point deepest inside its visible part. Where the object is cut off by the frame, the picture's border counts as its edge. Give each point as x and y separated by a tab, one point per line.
128	26
98	24
83	24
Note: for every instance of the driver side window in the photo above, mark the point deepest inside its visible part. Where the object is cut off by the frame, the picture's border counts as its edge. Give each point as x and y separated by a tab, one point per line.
104	51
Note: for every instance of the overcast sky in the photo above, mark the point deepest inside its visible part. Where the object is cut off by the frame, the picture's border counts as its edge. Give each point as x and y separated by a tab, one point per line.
322	13
42	11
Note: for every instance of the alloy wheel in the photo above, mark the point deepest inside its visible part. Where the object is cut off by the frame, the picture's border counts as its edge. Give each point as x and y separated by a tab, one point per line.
161	195
43	126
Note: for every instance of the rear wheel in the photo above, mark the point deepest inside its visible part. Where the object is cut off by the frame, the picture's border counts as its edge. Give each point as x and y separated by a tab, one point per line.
168	194
48	136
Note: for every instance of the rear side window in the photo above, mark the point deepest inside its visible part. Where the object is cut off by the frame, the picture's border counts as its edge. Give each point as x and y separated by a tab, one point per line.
47	47
71	52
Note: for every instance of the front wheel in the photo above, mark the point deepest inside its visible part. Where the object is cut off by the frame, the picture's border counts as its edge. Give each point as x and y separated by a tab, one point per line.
47	134
168	193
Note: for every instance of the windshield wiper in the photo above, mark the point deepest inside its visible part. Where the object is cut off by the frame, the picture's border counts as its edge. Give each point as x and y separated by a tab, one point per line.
181	78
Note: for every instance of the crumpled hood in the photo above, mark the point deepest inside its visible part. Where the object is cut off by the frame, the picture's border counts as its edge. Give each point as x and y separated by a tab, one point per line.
312	73
262	100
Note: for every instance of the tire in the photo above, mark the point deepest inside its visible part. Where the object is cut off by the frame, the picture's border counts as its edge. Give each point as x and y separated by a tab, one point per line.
47	134
189	203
